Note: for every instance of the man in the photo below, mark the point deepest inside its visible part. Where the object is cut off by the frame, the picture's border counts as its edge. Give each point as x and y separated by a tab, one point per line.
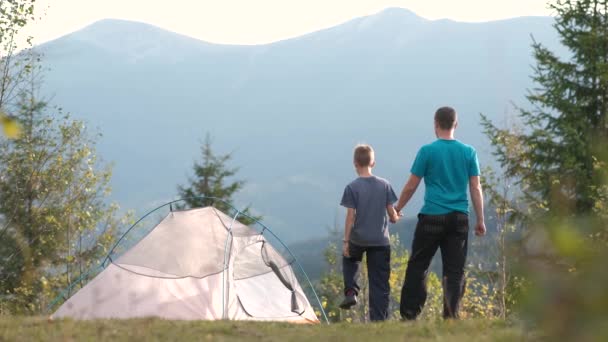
448	167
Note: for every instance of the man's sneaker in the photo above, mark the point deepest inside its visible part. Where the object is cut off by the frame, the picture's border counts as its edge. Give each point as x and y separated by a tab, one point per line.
350	299
408	315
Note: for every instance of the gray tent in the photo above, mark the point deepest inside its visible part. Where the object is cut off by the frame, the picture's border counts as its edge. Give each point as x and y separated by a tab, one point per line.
197	264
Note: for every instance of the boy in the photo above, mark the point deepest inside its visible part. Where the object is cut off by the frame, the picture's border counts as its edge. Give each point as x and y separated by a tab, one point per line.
368	199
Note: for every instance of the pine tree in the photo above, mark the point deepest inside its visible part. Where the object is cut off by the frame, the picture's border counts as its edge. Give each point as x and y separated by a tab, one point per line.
562	164
14	65
212	184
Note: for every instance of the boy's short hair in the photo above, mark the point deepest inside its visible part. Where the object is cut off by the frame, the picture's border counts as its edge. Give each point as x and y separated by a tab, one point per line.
445	117
364	155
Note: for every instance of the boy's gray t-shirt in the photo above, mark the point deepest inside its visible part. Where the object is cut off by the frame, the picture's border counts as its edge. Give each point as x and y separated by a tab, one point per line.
369	196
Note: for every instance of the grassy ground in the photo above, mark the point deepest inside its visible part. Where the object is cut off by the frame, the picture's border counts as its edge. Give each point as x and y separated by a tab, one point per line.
39	329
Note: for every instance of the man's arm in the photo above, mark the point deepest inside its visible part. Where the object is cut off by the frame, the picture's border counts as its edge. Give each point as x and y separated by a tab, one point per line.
477	198
408	191
348	226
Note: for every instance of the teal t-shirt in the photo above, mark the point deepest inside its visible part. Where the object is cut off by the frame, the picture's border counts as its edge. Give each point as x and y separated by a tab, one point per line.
445	166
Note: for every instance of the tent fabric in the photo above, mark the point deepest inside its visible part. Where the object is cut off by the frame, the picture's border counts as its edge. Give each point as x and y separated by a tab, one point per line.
178	271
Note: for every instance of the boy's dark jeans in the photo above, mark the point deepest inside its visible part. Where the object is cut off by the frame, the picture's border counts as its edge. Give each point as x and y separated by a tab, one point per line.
378	270
450	233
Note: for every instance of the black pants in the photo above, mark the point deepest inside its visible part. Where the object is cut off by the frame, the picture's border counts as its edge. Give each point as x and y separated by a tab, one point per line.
450	233
379	272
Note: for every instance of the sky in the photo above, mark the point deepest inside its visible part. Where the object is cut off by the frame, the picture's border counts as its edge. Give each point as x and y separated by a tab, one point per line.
257	21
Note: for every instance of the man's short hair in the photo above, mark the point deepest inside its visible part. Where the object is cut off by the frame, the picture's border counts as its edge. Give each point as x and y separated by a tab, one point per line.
445	117
364	155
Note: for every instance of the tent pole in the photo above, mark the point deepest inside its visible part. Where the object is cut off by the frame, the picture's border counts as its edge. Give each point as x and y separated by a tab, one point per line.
292	255
155	209
224	285
70	287
301	269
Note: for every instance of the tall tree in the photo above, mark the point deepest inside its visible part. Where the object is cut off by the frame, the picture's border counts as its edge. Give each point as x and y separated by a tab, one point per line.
14	15
560	165
566	129
213	183
54	219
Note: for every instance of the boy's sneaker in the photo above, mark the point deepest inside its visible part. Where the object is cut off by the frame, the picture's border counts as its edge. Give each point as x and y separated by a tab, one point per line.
350	299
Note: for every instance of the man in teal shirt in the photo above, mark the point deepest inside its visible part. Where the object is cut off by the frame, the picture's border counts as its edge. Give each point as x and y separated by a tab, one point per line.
448	168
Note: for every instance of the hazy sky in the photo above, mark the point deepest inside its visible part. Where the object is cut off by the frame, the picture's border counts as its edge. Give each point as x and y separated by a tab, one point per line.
258	21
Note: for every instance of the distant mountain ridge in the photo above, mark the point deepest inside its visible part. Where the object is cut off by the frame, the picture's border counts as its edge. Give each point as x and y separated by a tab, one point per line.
292	110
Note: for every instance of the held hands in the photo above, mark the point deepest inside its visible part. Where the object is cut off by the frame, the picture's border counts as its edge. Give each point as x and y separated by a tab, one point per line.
480	228
394	218
399	212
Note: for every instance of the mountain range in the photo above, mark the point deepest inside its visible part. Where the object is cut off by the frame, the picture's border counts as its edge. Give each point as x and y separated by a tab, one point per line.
290	111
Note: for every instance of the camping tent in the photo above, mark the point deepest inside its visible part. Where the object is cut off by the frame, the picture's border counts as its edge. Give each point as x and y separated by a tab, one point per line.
197	264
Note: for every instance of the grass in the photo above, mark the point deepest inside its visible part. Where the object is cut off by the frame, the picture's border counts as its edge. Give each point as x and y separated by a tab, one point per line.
151	329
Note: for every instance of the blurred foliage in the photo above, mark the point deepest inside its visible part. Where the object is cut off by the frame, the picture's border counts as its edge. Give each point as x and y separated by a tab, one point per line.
10	127
567	272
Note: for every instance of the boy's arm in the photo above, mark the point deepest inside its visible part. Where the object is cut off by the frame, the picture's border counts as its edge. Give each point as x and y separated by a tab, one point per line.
392	213
408	191
477	198
348	226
